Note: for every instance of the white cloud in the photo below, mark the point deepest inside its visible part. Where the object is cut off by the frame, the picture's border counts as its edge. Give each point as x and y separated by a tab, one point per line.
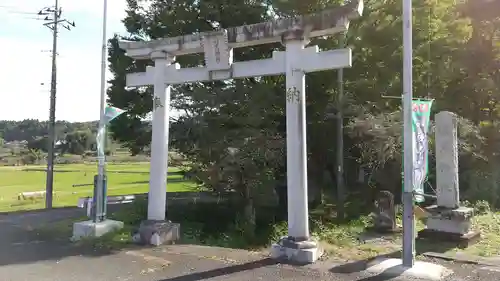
25	66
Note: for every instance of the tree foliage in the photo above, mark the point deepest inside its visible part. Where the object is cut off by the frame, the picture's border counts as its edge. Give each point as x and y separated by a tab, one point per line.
31	128
74	138
234	132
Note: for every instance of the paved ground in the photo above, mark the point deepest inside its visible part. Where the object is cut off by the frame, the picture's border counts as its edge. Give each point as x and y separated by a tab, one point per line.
24	258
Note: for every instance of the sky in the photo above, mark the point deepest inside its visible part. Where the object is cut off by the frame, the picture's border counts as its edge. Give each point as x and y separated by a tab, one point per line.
25	46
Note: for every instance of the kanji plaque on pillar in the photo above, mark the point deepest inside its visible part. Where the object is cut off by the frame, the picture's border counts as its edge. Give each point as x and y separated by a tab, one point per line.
218	55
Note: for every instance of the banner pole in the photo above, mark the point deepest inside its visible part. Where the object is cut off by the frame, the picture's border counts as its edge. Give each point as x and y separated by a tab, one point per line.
408	216
101	166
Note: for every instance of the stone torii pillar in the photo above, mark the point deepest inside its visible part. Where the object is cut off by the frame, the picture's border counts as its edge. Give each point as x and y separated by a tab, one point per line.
217	47
157	197
296	141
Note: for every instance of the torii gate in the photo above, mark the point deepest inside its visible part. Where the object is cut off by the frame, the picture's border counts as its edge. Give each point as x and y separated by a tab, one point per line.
217	46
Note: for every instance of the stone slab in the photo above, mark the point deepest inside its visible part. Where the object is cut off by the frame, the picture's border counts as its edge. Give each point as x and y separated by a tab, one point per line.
495	260
394	268
304	252
451	226
460	213
463	240
491	268
464	258
157	232
94	229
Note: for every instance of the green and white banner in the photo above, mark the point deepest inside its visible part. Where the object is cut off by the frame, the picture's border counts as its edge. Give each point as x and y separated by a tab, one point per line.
110	113
421	112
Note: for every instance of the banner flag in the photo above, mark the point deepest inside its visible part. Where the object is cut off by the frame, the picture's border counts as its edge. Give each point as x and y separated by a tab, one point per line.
110	113
421	112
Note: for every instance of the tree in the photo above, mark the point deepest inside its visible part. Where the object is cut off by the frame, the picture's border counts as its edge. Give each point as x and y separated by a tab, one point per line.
212	110
39	144
246	114
464	84
78	142
30	129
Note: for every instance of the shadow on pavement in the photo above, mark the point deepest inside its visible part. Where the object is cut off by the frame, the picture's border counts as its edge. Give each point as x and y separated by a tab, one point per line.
39	211
384	276
223	271
360	265
20	243
421	246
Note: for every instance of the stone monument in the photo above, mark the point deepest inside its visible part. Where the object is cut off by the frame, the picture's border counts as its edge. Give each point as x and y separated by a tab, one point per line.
384	216
448	220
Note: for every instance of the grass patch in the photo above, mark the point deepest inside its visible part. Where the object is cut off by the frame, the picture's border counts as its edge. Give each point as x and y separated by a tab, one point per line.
212	224
489	225
63	230
32	178
341	240
112	241
60	230
219	224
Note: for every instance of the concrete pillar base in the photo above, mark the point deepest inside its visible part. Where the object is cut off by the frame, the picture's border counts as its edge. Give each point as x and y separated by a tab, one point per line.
302	252
152	232
392	268
94	229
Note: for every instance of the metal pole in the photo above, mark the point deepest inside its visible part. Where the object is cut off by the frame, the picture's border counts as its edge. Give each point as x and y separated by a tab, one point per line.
101	167
52	116
340	140
408	216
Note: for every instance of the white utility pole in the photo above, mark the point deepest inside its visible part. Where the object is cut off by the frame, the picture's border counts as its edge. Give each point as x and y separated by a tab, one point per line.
100	186
408	216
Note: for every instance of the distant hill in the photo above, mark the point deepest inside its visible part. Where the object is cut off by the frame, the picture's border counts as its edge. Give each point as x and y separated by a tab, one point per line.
31	128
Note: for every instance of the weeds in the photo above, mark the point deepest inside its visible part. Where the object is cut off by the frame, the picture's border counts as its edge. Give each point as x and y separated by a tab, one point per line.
219	225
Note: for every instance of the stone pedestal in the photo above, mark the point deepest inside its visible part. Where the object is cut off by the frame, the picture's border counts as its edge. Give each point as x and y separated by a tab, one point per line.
387	269
94	229
152	232
448	221
450	225
301	252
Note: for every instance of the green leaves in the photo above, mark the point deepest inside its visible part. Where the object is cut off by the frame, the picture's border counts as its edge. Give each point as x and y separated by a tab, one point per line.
456	61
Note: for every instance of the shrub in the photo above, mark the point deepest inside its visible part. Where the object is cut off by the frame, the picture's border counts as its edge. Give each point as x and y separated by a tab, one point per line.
214	224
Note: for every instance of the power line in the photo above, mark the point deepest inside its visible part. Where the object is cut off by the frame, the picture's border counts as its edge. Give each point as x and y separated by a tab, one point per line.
53	18
20	12
23	14
53	15
12	8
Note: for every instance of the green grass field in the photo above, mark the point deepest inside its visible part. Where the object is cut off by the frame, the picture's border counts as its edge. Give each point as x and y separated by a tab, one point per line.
123	179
